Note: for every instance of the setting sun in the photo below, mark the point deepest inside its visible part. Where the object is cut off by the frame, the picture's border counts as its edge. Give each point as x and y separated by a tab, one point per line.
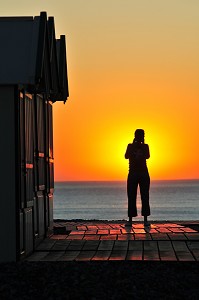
132	65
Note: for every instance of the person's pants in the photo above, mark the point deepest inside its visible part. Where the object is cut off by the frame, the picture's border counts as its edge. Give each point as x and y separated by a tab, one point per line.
142	179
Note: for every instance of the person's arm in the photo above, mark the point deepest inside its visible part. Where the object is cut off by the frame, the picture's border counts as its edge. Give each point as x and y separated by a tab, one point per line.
128	152
147	152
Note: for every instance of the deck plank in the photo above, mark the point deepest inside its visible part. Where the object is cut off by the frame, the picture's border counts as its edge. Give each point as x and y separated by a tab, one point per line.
182	251
85	255
106	245
134	255
166	251
102	255
118	255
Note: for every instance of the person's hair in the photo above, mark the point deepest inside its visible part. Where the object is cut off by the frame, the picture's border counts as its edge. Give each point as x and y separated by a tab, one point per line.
139	135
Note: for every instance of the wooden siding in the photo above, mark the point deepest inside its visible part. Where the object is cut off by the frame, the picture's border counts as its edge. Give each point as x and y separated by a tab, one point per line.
36	170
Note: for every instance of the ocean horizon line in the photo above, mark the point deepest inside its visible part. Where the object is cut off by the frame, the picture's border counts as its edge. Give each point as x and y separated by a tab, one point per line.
152	180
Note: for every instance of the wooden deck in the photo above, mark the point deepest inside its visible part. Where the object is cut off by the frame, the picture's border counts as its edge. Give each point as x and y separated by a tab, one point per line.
102	241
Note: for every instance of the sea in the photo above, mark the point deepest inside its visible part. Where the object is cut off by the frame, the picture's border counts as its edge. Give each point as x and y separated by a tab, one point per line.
107	200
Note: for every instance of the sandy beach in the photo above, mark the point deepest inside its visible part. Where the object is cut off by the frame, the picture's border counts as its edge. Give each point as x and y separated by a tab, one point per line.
99	280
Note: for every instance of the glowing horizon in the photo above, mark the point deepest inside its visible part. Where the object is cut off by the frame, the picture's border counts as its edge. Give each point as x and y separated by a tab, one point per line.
132	65
139	73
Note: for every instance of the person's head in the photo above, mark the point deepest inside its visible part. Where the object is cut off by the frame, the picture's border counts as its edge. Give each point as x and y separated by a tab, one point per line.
139	135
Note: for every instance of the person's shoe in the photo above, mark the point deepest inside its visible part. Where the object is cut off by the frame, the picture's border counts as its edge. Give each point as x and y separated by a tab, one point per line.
146	223
128	224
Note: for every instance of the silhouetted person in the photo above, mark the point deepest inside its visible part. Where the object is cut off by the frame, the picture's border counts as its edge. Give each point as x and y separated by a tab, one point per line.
137	153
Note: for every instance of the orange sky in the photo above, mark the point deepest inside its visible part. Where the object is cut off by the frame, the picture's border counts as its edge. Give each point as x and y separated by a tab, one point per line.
131	64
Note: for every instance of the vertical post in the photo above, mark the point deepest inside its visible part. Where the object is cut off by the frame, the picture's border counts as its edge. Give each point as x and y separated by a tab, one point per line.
8	201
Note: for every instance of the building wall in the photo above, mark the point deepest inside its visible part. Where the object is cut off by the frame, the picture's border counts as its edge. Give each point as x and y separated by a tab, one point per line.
37	179
26	173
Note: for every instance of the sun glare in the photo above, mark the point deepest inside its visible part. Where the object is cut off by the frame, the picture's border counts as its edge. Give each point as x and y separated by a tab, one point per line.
133	73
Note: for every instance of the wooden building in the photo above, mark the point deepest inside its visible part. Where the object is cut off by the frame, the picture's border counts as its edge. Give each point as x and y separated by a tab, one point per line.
33	75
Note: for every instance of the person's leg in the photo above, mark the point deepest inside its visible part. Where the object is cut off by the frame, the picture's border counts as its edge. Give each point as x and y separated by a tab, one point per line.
130	221
146	223
132	184
144	184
